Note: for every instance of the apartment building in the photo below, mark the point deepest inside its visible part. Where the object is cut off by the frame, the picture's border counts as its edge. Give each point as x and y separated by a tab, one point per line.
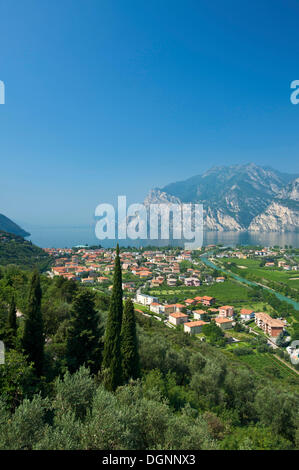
227	311
178	318
270	326
194	327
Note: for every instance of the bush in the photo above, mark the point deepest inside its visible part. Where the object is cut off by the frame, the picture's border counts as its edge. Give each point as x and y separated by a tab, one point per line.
242	351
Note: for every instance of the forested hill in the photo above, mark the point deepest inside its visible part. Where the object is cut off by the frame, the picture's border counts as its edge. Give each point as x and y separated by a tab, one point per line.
9	226
15	250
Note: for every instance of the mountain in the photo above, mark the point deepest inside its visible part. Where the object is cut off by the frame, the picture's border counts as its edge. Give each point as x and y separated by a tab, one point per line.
9	226
282	214
238	197
15	250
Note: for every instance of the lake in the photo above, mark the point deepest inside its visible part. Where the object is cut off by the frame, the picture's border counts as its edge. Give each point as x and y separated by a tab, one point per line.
69	236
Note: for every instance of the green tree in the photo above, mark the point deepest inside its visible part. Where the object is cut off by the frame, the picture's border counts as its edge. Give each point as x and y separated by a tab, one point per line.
84	334
17	379
12	316
10	340
112	362
129	346
33	338
24	428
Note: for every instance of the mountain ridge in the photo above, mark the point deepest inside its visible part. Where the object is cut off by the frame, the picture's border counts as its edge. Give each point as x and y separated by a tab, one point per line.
238	197
7	225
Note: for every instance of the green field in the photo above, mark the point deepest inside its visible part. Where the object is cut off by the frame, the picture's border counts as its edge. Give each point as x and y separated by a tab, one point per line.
265	362
230	292
252	266
266	365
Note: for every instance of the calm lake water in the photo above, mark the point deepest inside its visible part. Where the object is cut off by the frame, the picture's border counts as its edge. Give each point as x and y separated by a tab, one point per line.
62	237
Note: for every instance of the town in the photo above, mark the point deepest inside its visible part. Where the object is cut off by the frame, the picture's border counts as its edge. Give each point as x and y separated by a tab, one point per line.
197	290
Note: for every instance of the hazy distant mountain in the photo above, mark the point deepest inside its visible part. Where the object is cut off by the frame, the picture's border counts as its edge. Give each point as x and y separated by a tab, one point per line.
238	197
9	226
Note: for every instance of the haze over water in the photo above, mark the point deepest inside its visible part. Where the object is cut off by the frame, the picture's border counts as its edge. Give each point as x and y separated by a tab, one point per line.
69	236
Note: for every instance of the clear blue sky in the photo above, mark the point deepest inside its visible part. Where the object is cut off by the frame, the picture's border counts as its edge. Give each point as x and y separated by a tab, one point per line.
108	97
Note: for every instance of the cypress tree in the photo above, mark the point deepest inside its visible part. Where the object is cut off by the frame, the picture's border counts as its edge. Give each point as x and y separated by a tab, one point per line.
11	330
12	317
33	338
112	363
84	335
129	347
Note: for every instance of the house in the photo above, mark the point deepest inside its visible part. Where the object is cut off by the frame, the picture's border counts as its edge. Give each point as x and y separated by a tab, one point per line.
87	280
199	314
227	311
144	274
157	282
171	281
213	311
220	279
224	323
194	327
155	307
246	314
271	326
59	271
206	300
145	299
261	253
167	309
192	281
178	318
127	285
179	307
190	302
281	263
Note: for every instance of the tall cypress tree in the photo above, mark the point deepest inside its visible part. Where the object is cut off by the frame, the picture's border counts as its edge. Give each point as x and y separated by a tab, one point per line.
10	337
129	347
112	363
33	338
12	317
84	336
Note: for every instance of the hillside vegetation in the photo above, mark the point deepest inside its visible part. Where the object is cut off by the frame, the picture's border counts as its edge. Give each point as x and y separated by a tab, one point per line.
15	250
188	394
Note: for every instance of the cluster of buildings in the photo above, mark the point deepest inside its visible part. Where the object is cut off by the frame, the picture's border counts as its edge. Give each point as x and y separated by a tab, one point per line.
181	313
91	266
194	319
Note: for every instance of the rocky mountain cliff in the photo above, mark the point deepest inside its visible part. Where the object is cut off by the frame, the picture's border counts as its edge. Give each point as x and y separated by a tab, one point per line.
238	197
282	214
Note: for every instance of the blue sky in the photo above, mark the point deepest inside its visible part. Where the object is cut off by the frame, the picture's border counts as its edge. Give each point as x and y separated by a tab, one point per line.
108	97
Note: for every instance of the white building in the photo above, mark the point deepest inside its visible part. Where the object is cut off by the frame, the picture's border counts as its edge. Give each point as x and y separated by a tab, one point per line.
177	318
145	299
155	307
194	327
246	314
